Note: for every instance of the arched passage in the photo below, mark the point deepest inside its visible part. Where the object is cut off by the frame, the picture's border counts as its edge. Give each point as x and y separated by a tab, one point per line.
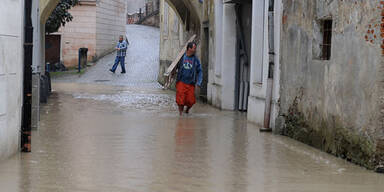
186	10
179	20
46	8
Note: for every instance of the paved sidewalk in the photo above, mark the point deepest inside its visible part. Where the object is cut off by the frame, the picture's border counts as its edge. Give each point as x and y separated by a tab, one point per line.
142	62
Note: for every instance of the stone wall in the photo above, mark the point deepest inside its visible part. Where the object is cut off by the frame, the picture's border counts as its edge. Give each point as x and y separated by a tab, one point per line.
80	32
153	21
133	6
110	24
11	75
333	104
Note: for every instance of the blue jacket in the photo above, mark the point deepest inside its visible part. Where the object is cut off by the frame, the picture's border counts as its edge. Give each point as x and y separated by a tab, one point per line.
190	71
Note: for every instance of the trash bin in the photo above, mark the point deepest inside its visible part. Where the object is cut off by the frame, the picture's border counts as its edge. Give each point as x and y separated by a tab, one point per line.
82	57
44	89
49	83
47	67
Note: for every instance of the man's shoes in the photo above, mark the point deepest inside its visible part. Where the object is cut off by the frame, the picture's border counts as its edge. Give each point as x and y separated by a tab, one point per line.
123	72
111	71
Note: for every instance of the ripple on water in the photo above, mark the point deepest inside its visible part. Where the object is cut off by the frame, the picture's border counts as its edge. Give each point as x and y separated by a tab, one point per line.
141	101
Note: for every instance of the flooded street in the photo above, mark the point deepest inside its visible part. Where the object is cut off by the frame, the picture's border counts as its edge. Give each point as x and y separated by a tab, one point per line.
111	132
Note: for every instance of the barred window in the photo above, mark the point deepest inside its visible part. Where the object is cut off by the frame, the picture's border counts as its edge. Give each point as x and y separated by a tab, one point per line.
326	29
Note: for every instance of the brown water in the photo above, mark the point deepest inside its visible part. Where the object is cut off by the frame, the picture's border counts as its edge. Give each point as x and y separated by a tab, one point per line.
103	138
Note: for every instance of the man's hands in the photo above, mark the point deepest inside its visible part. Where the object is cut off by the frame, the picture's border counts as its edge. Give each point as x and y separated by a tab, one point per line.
118	49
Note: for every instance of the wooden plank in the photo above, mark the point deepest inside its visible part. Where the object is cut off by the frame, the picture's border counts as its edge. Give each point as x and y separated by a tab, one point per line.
179	56
170	73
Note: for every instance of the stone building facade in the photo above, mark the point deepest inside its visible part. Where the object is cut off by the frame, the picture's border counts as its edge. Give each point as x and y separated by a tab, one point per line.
96	25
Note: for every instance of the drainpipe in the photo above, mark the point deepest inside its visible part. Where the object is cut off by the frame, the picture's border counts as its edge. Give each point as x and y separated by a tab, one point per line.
26	124
268	99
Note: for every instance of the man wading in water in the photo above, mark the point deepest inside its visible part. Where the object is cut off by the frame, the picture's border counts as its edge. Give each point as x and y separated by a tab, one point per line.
189	76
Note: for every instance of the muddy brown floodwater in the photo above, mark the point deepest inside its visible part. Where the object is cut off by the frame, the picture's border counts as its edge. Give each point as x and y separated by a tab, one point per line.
104	132
108	138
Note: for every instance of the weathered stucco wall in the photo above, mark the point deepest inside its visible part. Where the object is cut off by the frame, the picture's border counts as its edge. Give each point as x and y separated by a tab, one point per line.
333	104
110	24
11	75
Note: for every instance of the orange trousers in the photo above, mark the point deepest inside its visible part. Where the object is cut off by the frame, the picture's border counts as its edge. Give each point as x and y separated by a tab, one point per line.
185	94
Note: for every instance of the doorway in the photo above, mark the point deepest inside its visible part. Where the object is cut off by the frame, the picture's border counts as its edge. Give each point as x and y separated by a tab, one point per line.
243	47
52	48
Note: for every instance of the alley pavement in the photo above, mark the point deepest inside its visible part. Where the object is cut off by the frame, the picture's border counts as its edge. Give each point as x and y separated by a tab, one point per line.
105	132
142	62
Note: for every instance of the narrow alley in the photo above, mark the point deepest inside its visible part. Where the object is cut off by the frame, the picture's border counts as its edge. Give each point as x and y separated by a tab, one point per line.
121	132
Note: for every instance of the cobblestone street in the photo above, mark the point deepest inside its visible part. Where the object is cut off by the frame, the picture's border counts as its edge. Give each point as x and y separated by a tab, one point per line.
105	132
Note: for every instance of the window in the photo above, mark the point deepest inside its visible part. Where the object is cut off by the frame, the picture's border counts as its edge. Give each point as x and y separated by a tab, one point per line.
326	29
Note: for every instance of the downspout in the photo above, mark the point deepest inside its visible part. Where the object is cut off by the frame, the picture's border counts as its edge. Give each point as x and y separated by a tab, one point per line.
26	124
271	53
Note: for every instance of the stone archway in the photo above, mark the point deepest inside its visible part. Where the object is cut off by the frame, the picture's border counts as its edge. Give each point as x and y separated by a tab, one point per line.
180	19
46	8
187	11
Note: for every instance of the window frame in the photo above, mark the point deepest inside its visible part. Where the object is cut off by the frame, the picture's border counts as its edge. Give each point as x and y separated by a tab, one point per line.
326	45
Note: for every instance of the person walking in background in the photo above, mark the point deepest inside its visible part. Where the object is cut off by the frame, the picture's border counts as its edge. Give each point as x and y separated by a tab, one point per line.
189	77
121	49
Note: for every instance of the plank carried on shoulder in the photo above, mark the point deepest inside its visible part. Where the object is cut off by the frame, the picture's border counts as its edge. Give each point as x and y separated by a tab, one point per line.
170	73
